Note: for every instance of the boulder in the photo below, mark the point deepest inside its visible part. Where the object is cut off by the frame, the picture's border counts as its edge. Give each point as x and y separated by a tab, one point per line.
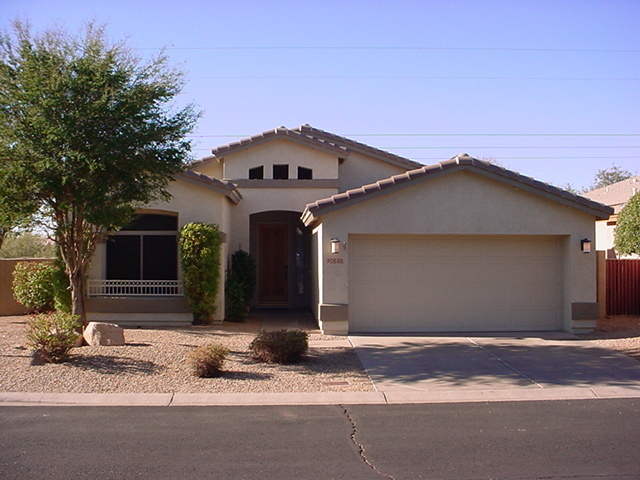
97	333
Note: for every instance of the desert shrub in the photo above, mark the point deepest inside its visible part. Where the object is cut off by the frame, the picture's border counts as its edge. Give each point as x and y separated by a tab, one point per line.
33	285
241	282
200	257
280	346
53	335
206	361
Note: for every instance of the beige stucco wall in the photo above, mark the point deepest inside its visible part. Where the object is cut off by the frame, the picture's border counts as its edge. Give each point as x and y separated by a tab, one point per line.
605	237
192	204
358	170
276	152
212	168
463	203
256	200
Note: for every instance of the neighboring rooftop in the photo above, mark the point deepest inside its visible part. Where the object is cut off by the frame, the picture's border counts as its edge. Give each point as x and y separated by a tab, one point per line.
617	194
462	161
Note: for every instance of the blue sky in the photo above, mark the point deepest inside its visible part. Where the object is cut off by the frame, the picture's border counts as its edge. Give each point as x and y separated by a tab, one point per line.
547	88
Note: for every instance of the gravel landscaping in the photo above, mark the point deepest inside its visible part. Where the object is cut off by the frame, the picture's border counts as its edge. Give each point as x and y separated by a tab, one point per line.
153	361
620	333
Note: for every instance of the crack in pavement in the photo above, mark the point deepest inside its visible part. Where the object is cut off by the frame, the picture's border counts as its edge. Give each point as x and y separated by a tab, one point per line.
361	450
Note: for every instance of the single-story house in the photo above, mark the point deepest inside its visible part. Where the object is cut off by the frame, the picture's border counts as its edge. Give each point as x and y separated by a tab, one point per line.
368	240
616	196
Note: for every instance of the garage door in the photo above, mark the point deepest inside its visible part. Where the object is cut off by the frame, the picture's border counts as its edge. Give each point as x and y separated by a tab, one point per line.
446	284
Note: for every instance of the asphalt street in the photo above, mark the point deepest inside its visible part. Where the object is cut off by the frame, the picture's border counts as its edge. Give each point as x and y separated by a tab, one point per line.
585	439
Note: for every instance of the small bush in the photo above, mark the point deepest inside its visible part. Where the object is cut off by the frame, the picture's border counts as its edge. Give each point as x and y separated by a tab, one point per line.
53	335
241	282
280	346
206	360
33	285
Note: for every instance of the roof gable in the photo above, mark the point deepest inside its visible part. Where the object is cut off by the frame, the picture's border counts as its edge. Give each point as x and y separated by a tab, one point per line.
330	143
458	163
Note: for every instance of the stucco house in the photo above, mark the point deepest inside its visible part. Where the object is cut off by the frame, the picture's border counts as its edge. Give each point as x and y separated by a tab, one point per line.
616	196
368	240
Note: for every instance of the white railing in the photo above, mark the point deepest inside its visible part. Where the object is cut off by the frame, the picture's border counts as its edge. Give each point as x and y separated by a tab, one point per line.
134	288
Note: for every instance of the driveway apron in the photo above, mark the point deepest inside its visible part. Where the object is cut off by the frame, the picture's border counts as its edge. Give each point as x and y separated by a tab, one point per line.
491	362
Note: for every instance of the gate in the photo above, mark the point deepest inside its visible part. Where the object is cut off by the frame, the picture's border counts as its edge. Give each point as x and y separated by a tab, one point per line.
623	287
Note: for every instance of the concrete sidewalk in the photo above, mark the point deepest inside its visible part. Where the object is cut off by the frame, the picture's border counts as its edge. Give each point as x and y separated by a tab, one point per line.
326	398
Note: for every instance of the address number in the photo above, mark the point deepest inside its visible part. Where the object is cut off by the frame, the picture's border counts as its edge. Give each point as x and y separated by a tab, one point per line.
335	260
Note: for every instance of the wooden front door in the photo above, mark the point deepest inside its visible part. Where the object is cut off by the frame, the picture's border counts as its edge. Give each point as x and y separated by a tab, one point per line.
273	260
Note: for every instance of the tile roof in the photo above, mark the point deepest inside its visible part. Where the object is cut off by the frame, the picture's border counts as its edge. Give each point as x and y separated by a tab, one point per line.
617	194
313	137
224	187
357	146
460	162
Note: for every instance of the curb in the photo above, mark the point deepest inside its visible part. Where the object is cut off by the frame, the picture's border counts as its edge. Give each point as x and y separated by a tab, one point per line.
392	397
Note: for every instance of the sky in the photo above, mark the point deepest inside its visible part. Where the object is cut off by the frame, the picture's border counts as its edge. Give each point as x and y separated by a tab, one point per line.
550	89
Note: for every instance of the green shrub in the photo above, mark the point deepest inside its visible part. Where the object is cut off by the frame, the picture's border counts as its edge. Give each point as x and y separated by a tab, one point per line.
241	283
280	346
53	335
200	257
61	287
206	360
33	285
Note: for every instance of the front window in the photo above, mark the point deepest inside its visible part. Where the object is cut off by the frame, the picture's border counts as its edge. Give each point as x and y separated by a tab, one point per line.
146	249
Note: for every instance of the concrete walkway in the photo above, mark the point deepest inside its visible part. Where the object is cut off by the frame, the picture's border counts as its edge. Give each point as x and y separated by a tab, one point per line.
419	369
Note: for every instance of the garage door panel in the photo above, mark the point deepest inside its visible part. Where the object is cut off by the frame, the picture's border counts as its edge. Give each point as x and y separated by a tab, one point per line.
422	284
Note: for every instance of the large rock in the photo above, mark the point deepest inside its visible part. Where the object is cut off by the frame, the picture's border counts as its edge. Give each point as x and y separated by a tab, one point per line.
98	333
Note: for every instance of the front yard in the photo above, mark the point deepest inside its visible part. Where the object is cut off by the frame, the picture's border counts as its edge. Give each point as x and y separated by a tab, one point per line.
153	361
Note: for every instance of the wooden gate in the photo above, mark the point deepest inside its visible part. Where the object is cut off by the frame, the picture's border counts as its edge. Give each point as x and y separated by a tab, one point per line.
623	287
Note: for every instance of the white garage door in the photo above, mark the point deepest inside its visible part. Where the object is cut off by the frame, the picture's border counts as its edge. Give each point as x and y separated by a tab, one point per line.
440	283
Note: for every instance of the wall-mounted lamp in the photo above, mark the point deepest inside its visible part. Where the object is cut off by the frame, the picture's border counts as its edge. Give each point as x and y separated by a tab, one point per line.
335	245
585	245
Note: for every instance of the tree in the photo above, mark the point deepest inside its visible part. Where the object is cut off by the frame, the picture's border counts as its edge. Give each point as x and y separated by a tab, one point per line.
627	232
86	134
27	245
609	176
15	210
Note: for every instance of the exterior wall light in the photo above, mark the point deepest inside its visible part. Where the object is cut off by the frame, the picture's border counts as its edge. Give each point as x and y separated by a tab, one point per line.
335	245
585	245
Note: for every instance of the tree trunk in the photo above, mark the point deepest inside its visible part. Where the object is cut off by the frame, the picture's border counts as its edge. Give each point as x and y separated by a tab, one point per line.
77	296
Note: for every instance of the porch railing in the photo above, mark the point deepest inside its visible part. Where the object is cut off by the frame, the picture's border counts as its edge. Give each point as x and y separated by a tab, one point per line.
135	288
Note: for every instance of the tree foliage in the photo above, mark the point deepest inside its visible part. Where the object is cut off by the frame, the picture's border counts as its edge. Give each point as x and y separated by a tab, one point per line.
609	176
627	232
200	245
86	134
27	245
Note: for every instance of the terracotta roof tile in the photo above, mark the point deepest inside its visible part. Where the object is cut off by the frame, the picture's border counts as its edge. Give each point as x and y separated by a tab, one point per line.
462	161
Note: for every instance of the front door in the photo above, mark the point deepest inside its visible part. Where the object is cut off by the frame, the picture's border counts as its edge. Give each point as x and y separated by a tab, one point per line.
273	260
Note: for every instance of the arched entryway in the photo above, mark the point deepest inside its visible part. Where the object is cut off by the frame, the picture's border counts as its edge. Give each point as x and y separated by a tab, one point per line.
281	245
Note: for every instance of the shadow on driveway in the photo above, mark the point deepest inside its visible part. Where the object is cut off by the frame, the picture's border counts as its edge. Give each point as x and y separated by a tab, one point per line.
482	362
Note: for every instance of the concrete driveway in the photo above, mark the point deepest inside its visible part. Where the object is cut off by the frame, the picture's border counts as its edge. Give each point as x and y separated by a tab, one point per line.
522	361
